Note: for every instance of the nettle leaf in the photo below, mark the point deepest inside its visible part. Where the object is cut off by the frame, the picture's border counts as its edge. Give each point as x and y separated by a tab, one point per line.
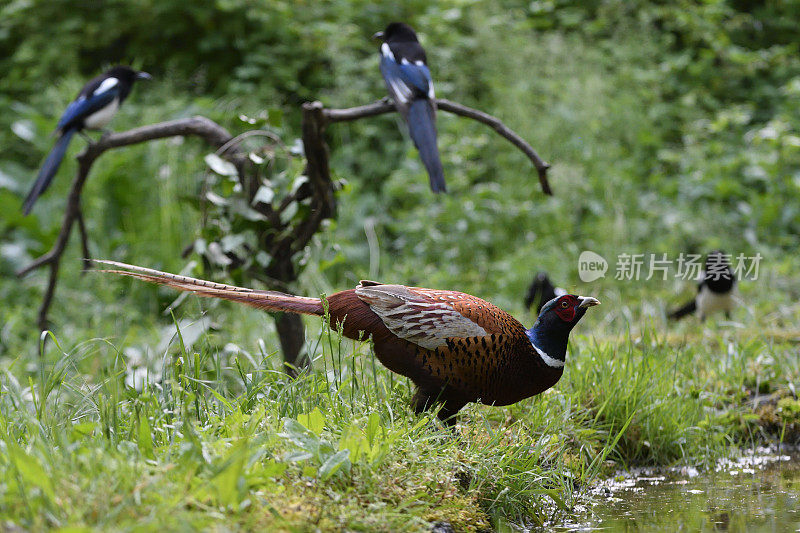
338	461
297	148
24	129
353	439
216	199
297	456
300	436
7	182
275	116
298	182
231	242
220	166
240	207
30	469
229	480
200	246
145	438
373	425
288	214
263	258
264	195
315	420
215	254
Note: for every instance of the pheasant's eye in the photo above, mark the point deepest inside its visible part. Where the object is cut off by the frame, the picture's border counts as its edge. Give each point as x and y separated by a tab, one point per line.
564	304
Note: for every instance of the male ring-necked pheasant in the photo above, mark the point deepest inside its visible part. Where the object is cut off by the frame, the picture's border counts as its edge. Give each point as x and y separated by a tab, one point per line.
455	347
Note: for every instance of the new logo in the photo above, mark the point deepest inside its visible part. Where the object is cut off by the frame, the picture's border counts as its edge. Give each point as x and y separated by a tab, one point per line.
591	266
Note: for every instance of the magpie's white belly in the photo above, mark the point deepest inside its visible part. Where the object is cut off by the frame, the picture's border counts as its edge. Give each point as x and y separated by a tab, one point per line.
710	302
99	119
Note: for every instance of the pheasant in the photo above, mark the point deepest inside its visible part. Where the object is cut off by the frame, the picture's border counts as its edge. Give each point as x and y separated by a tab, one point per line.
715	292
456	348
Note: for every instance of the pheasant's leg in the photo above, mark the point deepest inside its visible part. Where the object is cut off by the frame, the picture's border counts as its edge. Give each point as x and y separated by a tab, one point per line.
424	400
448	414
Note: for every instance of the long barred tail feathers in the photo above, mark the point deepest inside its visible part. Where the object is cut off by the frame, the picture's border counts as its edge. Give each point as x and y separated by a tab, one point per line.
266	300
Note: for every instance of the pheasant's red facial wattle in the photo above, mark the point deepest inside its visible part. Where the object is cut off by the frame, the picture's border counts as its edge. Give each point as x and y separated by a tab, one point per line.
565	307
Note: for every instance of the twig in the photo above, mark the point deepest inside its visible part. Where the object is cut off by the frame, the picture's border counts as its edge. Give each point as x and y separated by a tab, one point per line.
387	106
504	131
87	263
252	133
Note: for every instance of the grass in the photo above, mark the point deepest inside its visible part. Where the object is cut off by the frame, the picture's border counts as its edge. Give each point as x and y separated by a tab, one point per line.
214	436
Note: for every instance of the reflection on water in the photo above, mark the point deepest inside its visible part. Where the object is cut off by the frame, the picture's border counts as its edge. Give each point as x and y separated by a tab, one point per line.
761	494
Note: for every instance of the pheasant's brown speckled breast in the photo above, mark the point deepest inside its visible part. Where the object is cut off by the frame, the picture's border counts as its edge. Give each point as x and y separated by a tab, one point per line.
495	369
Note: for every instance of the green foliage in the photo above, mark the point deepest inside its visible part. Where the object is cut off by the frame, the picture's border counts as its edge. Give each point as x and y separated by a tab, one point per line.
672	127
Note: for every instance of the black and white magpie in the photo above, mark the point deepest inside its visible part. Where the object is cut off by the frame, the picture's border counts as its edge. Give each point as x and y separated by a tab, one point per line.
408	80
95	106
541	291
715	292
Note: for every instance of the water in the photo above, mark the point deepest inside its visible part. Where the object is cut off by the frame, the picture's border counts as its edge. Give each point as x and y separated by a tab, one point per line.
755	494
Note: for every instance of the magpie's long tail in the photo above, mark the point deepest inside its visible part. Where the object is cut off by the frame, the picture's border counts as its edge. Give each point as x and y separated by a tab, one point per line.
267	300
49	169
421	118
687	309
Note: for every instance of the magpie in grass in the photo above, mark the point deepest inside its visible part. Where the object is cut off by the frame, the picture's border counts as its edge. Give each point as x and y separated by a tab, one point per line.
408	80
715	292
541	291
95	106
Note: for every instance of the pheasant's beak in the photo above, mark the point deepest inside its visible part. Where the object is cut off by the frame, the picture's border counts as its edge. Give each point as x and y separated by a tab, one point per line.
588	301
378	35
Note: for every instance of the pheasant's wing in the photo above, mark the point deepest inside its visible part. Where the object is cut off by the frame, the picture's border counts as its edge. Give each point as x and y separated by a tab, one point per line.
418	317
485	314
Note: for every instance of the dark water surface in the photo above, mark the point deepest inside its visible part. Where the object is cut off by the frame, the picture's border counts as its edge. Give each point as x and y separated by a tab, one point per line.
760	493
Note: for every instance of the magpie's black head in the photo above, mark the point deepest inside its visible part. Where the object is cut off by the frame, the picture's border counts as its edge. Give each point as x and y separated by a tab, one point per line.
127	74
397	32
718	274
540	291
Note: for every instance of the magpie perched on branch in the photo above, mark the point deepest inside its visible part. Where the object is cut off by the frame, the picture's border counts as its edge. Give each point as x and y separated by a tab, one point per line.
541	291
95	106
715	292
408	80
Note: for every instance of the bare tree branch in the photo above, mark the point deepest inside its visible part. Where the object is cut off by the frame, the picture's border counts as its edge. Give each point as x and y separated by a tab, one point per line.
87	263
387	106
